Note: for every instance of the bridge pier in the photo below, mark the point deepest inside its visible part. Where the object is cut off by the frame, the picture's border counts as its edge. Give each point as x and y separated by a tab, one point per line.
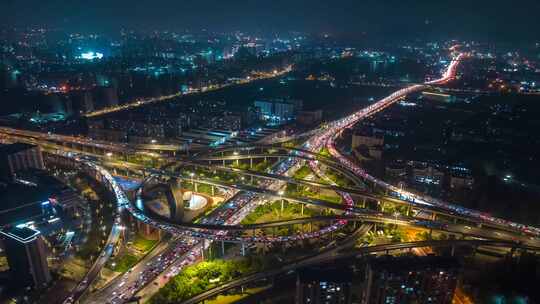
512	252
202	248
251	163
243	249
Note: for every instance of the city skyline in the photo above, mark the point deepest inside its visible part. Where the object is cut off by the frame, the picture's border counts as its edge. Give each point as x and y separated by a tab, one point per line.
300	152
499	21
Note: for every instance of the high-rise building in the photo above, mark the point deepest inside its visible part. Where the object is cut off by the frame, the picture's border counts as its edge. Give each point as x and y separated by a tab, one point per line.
278	110
429	279
19	157
27	257
105	97
309	118
324	286
81	102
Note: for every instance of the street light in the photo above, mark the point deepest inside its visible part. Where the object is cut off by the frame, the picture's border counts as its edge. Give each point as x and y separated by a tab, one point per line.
280	193
396	214
192	181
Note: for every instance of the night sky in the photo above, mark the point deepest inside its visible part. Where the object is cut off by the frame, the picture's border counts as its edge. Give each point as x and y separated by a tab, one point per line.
477	19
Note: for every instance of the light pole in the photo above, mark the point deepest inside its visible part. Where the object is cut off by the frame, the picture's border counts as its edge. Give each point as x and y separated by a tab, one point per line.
281	194
396	214
238	160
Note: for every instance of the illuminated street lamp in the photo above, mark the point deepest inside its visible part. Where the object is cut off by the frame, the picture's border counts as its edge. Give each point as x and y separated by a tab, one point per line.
238	160
109	154
192	180
396	214
123	229
280	193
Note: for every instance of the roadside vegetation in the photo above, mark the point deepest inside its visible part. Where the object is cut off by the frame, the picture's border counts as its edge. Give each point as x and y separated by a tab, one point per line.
203	276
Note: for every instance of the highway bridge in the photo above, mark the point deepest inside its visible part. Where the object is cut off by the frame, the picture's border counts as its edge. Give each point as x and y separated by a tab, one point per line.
250	196
333	255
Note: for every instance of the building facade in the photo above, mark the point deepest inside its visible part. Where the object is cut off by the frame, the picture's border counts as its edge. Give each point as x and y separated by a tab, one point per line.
27	257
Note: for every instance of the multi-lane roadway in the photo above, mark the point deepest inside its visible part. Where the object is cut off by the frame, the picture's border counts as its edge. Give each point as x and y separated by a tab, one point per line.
187	249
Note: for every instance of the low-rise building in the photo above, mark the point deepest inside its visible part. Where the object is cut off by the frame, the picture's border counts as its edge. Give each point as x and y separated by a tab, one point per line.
411	279
19	157
309	118
27	257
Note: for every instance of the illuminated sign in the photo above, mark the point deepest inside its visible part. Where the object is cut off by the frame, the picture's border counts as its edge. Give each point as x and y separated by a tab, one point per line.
91	55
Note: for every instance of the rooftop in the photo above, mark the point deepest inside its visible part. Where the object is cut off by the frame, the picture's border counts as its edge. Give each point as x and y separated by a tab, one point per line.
14	148
413	263
21	202
23	234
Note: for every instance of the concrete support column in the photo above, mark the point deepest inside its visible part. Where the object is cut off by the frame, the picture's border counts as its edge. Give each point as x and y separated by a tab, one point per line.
243	249
202	248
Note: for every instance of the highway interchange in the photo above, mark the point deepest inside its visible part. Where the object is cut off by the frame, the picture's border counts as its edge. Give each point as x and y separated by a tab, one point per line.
220	225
